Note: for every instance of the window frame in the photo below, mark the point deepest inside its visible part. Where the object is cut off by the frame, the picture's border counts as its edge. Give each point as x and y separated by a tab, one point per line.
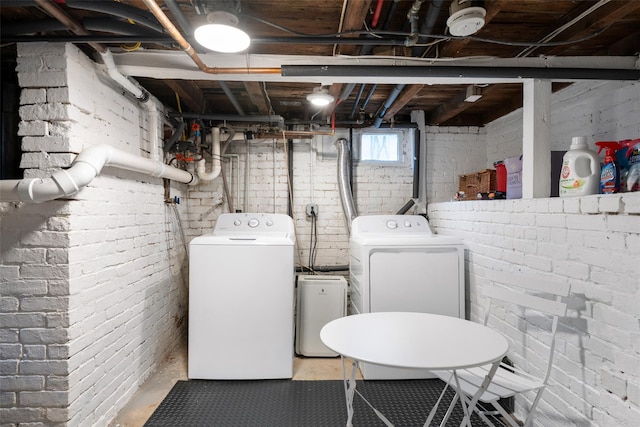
403	150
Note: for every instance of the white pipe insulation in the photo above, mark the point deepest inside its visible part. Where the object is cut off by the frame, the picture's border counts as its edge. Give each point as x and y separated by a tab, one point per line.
216	166
84	169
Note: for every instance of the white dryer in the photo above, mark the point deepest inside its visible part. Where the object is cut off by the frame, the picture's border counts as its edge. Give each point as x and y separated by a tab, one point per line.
398	264
241	299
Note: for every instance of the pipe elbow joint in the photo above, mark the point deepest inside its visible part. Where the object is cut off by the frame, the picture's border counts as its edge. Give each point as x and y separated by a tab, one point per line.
412	40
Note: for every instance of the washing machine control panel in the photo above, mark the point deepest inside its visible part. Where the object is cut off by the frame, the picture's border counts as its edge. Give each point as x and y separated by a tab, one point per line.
248	223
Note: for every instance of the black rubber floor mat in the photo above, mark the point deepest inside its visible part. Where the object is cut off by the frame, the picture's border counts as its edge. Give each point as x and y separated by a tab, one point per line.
286	403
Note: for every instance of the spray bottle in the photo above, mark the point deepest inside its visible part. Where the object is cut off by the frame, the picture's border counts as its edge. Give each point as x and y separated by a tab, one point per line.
610	175
632	155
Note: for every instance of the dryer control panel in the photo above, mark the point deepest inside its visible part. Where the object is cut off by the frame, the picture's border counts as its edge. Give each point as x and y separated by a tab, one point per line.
390	225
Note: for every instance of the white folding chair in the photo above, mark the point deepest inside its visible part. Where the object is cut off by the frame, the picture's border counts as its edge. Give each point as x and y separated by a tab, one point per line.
509	381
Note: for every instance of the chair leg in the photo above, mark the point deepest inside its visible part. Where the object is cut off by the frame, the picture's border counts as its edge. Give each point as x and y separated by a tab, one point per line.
449	411
432	413
534	405
507	417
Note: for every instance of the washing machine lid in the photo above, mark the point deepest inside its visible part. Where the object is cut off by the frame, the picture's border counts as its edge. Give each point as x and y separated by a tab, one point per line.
250	228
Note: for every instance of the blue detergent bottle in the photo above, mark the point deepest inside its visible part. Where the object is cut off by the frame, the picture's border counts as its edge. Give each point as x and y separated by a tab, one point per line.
610	174
632	156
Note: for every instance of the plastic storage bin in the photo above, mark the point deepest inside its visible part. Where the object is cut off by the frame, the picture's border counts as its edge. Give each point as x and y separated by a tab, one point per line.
514	177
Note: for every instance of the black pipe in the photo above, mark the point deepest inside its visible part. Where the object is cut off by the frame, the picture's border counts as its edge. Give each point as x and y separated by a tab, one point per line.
290	172
120	39
369	95
173	138
403	210
324	268
416	163
427	25
17	38
141	16
474	72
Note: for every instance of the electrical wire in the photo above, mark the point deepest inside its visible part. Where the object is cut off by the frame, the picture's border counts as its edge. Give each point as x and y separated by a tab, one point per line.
440	37
314	240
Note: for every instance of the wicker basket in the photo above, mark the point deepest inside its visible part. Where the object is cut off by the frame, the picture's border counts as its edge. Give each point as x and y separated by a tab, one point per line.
478	182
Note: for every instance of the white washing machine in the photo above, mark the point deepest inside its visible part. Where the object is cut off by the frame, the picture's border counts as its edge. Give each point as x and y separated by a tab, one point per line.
398	264
241	299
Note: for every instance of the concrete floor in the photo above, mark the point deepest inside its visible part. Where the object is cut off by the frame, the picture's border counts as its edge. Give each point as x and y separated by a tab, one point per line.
154	390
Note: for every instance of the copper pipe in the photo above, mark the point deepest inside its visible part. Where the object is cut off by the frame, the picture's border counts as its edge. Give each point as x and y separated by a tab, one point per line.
55	11
184	44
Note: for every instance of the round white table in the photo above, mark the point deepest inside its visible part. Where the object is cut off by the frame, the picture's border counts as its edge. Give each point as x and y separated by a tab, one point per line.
414	340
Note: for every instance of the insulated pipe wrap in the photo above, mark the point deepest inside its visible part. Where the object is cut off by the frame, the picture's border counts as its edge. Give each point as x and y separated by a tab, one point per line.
344	187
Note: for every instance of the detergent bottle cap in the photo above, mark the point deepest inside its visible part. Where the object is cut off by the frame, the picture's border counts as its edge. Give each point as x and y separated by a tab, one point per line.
579	143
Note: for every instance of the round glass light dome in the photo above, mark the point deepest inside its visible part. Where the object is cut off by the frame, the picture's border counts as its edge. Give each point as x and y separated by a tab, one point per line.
221	33
320	97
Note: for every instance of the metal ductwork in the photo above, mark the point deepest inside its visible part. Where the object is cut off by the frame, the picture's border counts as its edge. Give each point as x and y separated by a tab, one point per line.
344	186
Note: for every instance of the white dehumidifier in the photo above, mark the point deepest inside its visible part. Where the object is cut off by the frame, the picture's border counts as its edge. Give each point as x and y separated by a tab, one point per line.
321	299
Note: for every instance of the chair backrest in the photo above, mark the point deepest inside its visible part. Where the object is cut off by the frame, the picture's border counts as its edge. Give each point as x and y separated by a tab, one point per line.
524	291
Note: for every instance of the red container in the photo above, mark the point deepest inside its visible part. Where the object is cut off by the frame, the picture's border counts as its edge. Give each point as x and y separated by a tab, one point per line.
501	176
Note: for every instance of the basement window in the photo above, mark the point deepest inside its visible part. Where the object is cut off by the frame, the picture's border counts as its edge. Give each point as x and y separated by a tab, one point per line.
384	148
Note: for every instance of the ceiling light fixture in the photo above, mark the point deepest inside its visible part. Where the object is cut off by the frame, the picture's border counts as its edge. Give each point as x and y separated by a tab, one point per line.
465	18
221	33
320	97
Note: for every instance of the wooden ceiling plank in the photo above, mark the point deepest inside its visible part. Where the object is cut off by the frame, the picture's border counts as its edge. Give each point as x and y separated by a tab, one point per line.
189	93
405	96
453	47
449	109
603	17
257	96
354	18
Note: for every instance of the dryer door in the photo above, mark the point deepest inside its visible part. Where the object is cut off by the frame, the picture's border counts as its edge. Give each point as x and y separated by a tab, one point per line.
425	279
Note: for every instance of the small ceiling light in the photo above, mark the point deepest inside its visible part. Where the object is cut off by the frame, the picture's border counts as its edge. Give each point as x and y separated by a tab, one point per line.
465	18
320	97
221	33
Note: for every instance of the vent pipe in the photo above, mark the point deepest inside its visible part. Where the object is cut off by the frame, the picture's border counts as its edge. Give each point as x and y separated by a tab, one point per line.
84	169
344	187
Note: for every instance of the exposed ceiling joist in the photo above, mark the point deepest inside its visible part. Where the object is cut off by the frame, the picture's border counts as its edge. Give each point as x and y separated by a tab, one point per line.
257	96
405	97
188	92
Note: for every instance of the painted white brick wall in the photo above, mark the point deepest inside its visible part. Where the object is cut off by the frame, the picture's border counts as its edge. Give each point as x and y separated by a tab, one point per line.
377	190
602	111
451	152
598	353
94	287
593	242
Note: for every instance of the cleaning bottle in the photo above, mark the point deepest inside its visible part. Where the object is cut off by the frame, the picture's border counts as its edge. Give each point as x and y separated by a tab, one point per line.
633	158
610	175
580	174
